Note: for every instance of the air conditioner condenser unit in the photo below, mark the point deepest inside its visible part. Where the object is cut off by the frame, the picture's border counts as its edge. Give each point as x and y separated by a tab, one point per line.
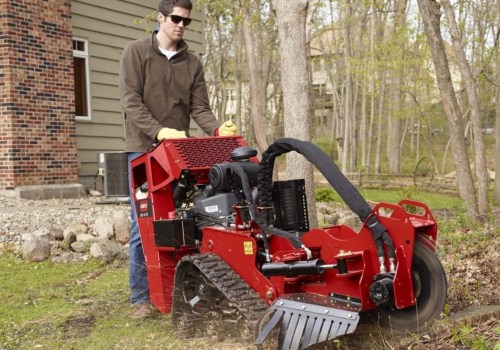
113	167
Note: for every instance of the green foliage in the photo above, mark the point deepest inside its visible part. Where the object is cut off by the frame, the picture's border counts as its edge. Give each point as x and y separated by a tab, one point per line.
409	192
465	336
462	237
432	200
460	223
326	146
149	22
462	333
325	195
479	344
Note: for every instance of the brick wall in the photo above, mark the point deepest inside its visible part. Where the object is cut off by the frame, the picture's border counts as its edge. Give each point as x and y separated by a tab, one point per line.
37	124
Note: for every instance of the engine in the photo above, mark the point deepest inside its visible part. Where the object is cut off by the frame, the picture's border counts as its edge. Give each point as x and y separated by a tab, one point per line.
214	203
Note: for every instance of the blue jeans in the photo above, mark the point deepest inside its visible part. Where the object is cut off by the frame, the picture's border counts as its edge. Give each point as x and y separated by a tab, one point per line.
138	277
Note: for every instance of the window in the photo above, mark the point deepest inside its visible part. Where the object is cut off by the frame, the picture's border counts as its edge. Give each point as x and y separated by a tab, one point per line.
231	94
316	64
230	102
81	71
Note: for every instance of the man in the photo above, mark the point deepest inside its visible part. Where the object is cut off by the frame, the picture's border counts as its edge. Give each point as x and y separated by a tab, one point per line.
162	84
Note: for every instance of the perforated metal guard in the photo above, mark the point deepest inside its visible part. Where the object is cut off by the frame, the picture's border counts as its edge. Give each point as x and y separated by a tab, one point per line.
305	324
204	152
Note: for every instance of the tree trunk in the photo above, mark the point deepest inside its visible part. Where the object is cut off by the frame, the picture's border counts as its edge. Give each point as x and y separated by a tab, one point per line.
394	119
363	136
430	12
381	120
258	107
375	35
477	127
291	17
348	114
496	184
238	82
496	187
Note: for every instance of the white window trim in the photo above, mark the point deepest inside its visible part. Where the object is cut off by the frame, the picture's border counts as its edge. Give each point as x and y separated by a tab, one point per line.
85	54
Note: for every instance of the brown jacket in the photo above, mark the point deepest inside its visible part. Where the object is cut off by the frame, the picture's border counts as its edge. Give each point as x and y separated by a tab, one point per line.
156	92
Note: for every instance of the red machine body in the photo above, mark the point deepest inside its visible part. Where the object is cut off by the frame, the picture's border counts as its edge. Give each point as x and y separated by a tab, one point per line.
331	244
348	262
160	169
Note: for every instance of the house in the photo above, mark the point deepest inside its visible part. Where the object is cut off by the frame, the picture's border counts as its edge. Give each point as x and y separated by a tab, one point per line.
59	96
322	54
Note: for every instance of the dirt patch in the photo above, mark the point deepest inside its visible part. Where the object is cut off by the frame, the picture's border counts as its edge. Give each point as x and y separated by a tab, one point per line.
78	326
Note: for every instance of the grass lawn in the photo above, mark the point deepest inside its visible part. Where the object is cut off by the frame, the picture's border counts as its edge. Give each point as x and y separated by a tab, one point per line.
74	306
431	199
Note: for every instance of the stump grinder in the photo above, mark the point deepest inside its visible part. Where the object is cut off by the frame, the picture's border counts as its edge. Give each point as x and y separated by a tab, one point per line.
229	250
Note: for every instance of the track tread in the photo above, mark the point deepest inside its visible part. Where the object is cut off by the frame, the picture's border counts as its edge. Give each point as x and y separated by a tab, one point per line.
230	284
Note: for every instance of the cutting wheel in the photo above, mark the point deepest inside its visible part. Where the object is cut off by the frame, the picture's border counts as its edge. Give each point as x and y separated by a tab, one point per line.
430	287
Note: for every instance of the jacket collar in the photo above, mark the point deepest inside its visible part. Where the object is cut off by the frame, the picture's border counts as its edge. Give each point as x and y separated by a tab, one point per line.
181	46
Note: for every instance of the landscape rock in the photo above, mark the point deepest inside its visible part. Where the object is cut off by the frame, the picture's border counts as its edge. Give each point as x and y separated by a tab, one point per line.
331	219
36	248
43	233
103	227
64	258
79	247
77	229
21	218
349	220
84	237
322	208
94	193
69	238
107	250
121	225
57	234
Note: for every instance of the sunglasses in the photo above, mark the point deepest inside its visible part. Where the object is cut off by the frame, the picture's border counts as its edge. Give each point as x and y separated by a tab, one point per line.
177	19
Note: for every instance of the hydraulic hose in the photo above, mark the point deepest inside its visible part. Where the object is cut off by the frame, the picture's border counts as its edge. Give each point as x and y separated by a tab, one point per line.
335	178
255	214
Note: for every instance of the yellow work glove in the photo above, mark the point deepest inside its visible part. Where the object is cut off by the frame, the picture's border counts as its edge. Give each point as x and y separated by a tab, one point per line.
168	133
228	129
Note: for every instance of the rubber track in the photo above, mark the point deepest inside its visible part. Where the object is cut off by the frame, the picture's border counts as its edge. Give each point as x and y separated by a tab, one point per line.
230	284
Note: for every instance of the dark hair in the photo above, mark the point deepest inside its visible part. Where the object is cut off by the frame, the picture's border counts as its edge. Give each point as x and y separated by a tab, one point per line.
167	6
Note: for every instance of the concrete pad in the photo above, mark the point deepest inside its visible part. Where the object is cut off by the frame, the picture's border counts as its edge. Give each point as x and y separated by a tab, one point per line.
39	192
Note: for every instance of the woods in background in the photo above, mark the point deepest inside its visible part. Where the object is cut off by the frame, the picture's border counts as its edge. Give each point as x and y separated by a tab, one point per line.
389	81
